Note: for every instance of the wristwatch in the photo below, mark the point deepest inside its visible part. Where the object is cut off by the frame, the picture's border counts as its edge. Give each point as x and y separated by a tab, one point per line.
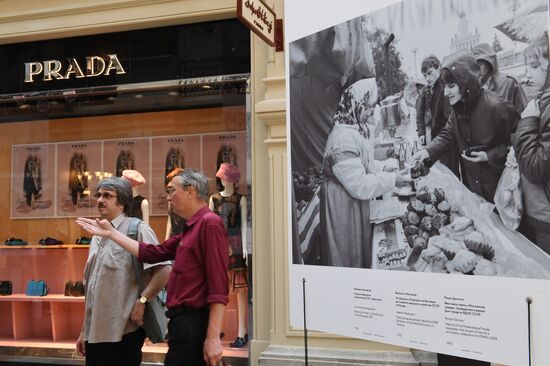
142	299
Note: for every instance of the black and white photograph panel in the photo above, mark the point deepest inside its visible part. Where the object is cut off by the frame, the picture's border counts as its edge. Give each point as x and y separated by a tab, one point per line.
418	134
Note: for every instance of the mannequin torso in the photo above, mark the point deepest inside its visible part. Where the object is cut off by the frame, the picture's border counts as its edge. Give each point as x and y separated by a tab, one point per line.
141	206
232	208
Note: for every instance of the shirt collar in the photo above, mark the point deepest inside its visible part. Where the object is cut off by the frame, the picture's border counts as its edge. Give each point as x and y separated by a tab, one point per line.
118	220
200	213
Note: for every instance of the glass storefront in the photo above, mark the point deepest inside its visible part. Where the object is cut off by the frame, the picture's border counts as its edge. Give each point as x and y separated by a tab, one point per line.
73	111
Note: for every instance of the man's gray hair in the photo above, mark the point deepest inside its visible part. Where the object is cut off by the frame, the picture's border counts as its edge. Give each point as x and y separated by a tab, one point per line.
190	177
123	190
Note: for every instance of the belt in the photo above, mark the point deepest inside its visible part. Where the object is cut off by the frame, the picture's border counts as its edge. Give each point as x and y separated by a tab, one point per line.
171	313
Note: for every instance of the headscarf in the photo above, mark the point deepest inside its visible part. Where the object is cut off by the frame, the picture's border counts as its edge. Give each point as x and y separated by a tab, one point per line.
357	105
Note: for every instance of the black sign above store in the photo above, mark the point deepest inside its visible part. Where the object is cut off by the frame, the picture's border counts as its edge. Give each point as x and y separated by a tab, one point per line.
167	53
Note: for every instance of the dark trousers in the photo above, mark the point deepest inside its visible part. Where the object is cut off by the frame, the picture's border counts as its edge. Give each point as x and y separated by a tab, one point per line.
126	352
186	335
447	360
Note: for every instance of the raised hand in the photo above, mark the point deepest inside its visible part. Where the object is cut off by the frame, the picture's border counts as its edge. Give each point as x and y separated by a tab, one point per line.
420	155
95	226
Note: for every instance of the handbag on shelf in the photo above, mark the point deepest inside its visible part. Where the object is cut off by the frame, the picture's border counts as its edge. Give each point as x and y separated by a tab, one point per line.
5	288
155	322
74	288
36	288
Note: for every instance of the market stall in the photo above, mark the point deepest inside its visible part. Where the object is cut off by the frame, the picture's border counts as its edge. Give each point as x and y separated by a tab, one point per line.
445	228
435	225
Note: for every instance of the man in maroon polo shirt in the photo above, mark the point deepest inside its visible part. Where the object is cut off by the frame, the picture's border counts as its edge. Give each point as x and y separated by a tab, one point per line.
197	289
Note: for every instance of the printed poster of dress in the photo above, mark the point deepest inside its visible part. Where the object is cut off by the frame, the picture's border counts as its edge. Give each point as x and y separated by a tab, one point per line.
77	165
32	181
169	153
128	154
229	147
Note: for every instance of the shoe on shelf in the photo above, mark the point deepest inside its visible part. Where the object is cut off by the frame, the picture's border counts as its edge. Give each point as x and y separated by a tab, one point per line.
84	240
50	241
240	342
15	241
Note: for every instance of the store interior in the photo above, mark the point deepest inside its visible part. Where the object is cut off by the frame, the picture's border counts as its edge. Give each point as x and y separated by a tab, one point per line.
200	109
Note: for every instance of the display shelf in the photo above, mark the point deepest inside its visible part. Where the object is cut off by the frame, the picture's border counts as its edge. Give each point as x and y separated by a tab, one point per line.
37	343
55	265
6	330
67	320
47	298
38	246
54	321
32	320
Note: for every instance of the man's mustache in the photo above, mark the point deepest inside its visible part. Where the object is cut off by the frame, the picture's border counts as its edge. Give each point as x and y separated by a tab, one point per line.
100	205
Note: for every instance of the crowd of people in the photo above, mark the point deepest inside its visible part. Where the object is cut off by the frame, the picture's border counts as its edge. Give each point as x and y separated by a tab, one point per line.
489	113
474	113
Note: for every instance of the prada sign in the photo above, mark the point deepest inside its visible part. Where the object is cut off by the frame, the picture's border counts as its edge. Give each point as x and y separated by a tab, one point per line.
53	69
122	58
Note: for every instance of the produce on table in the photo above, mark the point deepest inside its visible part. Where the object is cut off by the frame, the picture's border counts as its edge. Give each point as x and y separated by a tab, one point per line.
442	240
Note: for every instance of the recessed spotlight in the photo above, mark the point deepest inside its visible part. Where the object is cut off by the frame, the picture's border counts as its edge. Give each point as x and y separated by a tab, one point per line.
138	96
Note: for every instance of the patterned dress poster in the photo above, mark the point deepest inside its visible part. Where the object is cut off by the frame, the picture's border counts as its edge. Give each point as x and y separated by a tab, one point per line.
227	147
131	154
167	154
32	181
77	165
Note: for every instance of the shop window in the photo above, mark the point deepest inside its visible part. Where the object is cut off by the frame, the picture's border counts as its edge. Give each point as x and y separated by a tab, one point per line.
54	148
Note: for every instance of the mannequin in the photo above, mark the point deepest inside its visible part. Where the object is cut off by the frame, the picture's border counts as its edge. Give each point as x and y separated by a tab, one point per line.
141	205
232	207
175	224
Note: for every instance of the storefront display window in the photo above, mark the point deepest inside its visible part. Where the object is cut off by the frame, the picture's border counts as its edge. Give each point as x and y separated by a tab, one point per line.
181	103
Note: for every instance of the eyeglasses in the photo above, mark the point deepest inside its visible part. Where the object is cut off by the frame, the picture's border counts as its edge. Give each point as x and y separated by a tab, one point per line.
105	195
170	190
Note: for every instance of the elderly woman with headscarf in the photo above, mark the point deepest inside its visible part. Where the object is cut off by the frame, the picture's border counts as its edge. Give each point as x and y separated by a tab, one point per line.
352	179
532	146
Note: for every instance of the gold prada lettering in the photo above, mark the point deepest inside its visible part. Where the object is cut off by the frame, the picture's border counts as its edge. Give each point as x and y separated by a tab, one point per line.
31	69
74	68
51	69
95	65
54	69
114	64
